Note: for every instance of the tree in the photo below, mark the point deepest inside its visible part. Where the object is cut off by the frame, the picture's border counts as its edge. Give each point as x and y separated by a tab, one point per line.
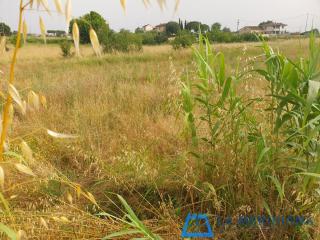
205	28
225	29
216	27
94	20
184	39
266	22
4	29
139	30
172	28
124	41
161	38
181	24
193	26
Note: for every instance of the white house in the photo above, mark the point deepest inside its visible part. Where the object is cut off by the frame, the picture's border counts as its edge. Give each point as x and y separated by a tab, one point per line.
147	28
266	28
273	28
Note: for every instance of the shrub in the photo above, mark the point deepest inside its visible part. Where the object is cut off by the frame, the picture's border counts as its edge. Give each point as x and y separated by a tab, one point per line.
149	38
94	20
161	38
65	47
124	41
13	40
183	40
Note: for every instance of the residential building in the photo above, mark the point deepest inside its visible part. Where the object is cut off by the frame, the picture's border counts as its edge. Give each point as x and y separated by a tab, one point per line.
273	28
251	29
265	28
161	28
147	28
56	33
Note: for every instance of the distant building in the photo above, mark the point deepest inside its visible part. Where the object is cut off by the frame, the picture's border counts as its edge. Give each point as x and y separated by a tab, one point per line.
147	28
251	29
56	33
266	28
273	28
161	28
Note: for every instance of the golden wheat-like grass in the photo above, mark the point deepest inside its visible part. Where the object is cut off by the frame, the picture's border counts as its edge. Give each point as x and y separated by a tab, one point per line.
3	44
76	38
43	29
95	42
68	11
58	6
25	31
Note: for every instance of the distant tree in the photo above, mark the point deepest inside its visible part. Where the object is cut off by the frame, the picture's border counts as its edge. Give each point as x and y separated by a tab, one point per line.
124	41
4	29
266	22
193	26
148	38
139	30
181	24
161	38
184	39
94	20
225	29
205	28
172	28
216	27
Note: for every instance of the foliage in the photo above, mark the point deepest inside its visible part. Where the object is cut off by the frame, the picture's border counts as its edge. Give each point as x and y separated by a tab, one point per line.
193	26
65	47
172	28
183	40
294	88
94	20
4	29
13	40
161	38
216	27
124	41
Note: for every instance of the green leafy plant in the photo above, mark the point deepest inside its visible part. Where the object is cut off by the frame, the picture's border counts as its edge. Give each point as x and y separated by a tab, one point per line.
65	47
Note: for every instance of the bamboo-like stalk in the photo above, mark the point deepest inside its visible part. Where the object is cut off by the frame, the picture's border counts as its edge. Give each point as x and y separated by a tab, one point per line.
6	111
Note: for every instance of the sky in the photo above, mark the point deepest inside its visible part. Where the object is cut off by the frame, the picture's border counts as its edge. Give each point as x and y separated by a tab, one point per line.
294	13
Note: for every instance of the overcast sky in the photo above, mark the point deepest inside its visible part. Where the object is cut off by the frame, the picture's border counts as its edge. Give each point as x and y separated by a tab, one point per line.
249	12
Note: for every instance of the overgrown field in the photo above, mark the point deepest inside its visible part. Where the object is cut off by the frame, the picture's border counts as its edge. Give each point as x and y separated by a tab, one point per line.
136	141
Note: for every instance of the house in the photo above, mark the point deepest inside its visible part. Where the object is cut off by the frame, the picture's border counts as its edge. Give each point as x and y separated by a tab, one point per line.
265	28
251	29
161	28
147	28
273	28
56	33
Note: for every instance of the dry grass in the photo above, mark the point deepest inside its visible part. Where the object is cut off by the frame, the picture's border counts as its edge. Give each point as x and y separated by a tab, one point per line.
126	110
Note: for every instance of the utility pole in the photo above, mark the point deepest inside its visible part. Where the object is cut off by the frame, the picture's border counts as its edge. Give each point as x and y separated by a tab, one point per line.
238	23
307	22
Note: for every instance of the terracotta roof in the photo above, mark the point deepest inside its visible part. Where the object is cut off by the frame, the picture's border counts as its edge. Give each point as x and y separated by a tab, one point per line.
255	28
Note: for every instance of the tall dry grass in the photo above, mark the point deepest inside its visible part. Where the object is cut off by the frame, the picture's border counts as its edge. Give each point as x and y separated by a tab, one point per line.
126	110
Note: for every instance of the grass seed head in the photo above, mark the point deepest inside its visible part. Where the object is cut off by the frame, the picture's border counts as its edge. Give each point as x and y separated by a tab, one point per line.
58	6
43	29
68	11
26	151
44	223
33	100
123	5
1	177
25	31
76	37
24	169
95	42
